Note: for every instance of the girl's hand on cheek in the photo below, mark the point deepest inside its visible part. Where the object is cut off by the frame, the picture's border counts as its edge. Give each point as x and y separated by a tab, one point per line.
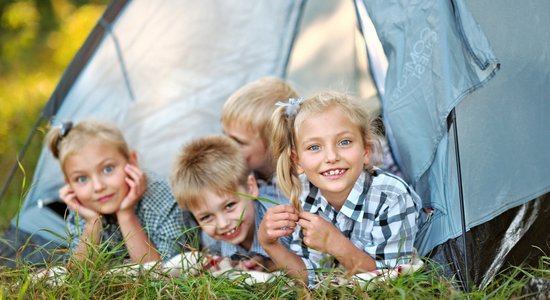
137	183
318	233
68	196
277	222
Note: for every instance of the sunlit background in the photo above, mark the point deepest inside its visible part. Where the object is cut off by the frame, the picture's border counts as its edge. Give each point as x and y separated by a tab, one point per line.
38	39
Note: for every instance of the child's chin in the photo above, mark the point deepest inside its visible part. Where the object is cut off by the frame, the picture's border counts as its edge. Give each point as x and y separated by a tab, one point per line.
108	210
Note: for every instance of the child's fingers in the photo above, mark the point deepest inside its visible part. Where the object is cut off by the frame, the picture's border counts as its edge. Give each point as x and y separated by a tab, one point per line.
286	224
279	232
131	183
65	190
283	212
283	209
72	203
135	173
307	216
137	180
304	223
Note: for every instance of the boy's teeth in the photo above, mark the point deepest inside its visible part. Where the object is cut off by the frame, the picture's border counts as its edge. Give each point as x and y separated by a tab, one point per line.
231	231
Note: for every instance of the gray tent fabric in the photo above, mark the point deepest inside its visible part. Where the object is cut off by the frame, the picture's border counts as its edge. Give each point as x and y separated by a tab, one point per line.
437	55
211	50
432	66
443	55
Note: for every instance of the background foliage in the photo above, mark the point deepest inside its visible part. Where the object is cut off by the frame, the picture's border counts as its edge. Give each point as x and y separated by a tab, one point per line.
38	39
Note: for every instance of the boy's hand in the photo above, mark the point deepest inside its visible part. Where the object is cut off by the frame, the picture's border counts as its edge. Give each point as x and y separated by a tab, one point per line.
318	233
256	263
68	196
277	222
137	182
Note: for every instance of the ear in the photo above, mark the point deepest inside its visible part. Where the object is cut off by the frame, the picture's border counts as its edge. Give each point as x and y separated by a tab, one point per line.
366	158
252	186
296	162
133	160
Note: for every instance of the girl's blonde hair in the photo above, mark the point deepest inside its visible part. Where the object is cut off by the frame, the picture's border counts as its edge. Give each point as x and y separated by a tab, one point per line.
67	140
285	126
212	162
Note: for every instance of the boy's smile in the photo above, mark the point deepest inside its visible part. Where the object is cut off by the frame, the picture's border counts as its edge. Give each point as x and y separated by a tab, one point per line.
331	152
228	217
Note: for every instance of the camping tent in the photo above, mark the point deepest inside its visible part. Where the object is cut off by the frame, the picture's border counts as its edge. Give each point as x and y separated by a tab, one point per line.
473	139
162	69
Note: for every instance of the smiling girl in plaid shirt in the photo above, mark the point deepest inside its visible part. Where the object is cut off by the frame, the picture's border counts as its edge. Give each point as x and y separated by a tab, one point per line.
111	200
345	211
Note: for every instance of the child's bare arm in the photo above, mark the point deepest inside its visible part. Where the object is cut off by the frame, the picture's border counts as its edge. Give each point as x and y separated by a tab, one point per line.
280	221
91	235
140	248
325	237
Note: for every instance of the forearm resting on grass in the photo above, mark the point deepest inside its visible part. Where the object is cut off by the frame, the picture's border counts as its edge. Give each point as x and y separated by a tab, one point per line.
353	259
140	248
281	221
91	236
287	261
324	237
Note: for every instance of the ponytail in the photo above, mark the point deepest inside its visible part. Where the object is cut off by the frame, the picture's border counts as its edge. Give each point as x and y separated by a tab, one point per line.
282	137
53	139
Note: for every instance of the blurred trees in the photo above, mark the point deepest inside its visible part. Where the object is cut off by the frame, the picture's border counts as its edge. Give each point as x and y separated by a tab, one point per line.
38	39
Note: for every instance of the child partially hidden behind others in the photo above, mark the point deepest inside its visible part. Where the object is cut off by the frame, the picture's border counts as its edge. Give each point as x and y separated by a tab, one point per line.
112	201
211	179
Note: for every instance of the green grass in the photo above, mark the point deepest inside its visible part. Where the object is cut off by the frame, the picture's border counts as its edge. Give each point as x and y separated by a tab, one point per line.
95	280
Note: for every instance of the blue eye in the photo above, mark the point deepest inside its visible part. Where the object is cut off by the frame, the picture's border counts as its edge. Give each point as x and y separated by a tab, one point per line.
345	142
314	147
108	169
81	179
230	205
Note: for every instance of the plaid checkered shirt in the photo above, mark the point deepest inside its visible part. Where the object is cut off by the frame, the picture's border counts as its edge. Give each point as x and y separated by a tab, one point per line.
167	226
380	216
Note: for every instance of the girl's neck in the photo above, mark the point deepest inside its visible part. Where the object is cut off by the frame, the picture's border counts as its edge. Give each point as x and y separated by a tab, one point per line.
337	200
337	205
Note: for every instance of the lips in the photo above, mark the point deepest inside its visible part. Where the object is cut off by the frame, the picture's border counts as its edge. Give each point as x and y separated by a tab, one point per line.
231	234
105	198
334	172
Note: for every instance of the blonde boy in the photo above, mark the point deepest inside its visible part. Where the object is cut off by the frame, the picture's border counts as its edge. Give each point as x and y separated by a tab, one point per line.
206	179
246	119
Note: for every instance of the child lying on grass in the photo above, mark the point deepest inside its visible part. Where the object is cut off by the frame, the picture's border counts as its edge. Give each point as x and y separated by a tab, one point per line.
350	213
210	179
112	201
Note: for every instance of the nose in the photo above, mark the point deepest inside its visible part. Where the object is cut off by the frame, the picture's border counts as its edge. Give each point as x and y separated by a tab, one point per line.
223	222
98	184
331	154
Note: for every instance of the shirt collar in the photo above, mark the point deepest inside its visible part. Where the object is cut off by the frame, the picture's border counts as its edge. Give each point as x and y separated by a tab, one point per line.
353	208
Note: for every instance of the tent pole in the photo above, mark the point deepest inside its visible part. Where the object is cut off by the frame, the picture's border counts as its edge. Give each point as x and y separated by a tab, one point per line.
461	198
